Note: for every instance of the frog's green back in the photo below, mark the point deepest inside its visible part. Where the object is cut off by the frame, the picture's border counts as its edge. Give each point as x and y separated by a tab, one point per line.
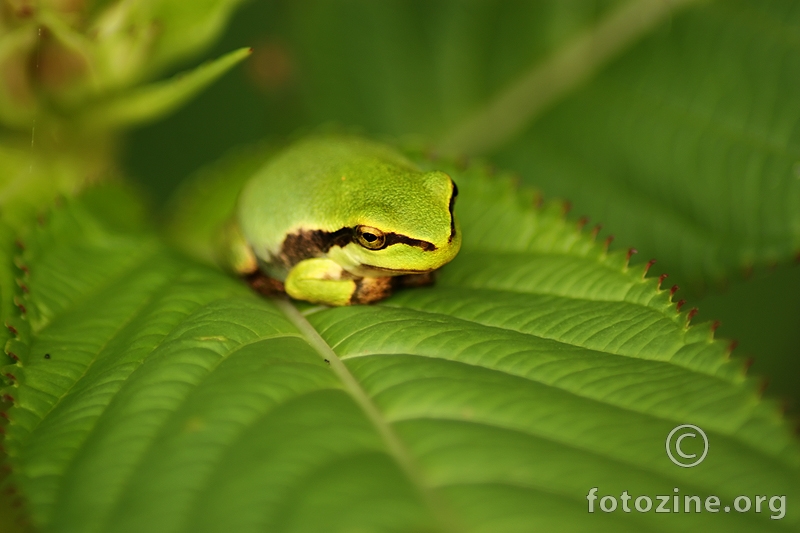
327	183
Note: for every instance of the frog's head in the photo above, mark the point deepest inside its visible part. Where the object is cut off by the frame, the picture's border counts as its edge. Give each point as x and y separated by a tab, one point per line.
403	225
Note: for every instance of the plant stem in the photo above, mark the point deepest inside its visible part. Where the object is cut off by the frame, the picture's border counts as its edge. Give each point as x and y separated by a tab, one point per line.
514	108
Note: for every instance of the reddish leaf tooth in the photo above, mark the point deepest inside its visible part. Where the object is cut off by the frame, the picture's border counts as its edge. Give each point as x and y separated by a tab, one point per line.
12	329
631	253
747	363
732	346
582	222
679	304
566	207
691	315
596	230
608	242
661	279
673	290
714	325
647	268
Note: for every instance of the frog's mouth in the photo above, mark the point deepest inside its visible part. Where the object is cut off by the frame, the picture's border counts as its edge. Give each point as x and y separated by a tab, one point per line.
394	271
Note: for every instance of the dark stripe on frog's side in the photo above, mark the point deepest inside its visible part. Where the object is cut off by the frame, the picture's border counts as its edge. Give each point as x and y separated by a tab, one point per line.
305	244
453	196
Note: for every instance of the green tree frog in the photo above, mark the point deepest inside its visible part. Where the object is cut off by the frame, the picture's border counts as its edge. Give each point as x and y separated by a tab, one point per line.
343	220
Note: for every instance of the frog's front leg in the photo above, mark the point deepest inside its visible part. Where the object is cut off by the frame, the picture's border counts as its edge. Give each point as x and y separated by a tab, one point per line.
323	281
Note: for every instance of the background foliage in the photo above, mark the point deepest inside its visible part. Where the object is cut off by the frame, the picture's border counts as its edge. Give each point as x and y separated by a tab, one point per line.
677	127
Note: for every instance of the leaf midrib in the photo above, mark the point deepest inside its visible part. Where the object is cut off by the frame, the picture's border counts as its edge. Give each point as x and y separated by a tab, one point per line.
394	445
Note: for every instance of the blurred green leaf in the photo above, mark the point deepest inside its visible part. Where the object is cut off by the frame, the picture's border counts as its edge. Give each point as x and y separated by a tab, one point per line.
153	101
512	109
135	41
241	111
157	394
16	105
420	67
687	146
33	176
185	27
763	314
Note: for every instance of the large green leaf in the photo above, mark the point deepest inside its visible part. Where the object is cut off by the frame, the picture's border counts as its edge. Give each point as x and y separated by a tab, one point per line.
154	393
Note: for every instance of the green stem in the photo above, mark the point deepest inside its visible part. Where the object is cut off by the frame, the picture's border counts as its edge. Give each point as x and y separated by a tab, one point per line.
514	108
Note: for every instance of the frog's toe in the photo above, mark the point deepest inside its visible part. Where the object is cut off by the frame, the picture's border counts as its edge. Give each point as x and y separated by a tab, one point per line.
370	290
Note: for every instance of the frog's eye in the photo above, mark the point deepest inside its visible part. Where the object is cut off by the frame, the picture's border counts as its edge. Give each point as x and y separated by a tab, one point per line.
370	238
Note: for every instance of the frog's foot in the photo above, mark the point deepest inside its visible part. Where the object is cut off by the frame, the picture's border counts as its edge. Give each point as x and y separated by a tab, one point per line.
321	281
264	284
370	290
